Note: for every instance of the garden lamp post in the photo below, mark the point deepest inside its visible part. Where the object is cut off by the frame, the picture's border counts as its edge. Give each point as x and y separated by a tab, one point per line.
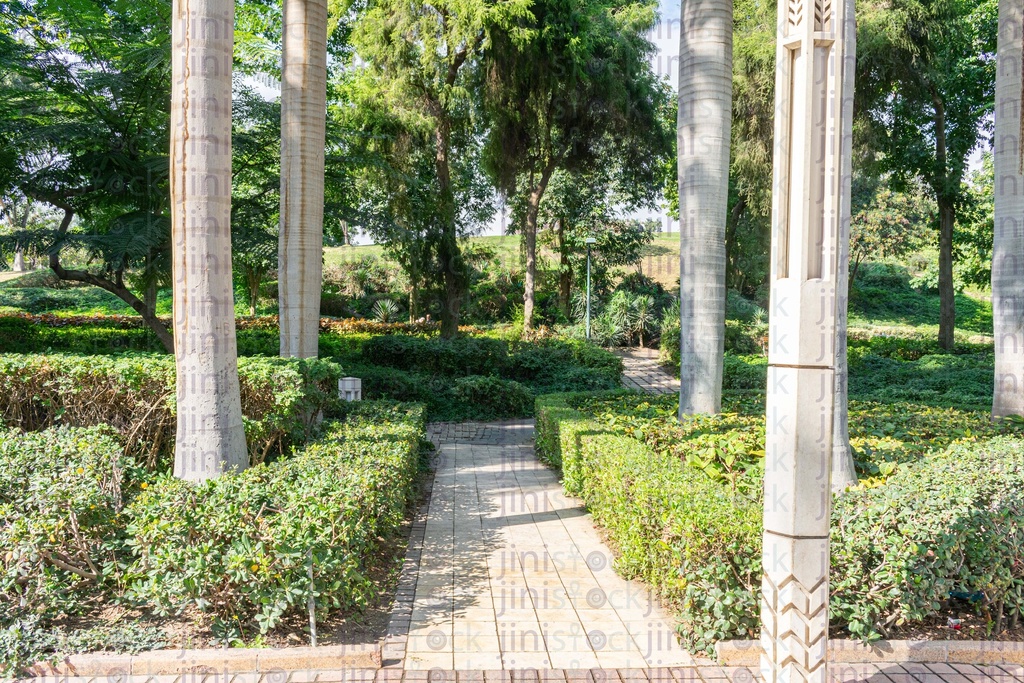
590	241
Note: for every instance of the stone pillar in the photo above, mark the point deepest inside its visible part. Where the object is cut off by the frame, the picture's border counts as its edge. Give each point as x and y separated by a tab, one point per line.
808	203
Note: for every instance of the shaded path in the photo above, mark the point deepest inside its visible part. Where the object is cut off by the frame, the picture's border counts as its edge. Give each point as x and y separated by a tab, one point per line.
505	572
642	372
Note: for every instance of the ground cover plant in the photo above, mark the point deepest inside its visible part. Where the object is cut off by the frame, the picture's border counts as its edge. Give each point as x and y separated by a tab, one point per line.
89	526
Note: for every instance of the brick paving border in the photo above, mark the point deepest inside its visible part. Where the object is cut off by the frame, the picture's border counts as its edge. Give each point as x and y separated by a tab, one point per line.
701	673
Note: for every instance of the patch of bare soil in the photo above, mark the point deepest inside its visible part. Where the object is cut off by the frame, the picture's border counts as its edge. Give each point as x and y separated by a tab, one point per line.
952	624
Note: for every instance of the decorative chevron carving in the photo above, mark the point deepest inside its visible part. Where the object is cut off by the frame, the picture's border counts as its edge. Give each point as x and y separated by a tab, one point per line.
794	630
822	15
796	13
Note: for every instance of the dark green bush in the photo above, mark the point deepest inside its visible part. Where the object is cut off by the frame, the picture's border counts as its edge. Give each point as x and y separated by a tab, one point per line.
239	547
61	492
457	357
134	394
494	397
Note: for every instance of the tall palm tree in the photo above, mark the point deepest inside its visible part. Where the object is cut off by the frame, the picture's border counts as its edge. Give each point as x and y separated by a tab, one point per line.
1008	239
703	133
210	438
303	121
844	473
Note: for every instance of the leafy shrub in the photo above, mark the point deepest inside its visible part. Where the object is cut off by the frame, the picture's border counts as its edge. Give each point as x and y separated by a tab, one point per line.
457	357
60	495
134	394
672	526
953	522
494	397
902	541
240	547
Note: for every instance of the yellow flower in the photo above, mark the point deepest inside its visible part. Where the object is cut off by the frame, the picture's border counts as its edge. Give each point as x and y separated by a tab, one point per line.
80	471
144	485
255	567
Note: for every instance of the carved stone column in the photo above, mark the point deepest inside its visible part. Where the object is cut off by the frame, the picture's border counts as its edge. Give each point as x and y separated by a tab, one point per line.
811	194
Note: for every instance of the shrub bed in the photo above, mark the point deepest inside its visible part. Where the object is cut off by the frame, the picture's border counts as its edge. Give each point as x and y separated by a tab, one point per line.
240	546
62	492
134	394
941	522
83	526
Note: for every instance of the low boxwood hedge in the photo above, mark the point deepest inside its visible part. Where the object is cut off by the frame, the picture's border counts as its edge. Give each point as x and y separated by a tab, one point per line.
952	521
134	394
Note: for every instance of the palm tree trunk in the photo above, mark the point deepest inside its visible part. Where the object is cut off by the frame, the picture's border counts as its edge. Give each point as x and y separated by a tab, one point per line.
210	437
703	130
303	121
844	472
1008	242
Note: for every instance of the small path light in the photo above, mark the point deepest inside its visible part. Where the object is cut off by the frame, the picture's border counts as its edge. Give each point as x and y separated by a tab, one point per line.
590	242
350	389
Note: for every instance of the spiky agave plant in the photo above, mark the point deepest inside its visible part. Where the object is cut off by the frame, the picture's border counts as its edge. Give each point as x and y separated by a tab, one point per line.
385	311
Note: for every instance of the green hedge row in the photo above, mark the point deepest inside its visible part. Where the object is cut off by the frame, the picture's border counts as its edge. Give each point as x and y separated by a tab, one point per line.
134	394
951	522
84	525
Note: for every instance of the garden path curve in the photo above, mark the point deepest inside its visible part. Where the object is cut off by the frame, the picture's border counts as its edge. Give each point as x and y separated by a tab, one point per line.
506	572
643	373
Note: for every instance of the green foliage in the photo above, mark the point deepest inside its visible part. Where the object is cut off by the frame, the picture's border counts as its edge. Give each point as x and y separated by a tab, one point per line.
682	506
447	357
239	547
480	378
61	495
134	394
494	397
950	523
27	641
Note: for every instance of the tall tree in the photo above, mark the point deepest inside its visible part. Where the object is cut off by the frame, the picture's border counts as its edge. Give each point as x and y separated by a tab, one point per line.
419	56
926	85
84	120
1008	237
570	86
303	124
702	146
210	437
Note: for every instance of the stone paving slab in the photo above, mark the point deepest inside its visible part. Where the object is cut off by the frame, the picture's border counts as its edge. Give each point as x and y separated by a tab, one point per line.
642	372
504	572
706	673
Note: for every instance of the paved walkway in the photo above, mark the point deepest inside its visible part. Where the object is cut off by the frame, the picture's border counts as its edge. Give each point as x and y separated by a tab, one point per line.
505	572
642	372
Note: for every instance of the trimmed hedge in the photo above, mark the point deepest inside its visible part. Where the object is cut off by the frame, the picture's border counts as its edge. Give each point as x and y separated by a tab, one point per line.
134	394
949	522
239	547
81	527
672	526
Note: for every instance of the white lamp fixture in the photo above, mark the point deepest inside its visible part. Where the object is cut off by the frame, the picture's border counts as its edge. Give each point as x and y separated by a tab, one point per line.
350	389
